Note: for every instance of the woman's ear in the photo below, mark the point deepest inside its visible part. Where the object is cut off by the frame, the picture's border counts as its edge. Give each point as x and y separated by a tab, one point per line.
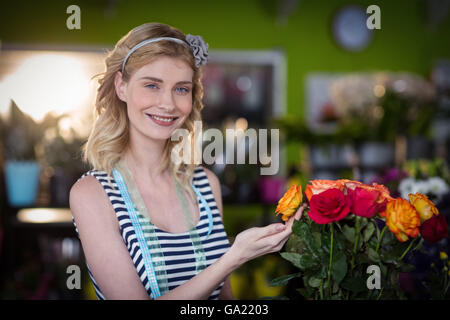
120	86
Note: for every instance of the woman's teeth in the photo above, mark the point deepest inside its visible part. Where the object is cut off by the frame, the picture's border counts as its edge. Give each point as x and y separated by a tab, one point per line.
162	119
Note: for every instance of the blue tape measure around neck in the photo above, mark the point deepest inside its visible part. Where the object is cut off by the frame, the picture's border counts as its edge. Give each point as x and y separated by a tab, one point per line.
148	264
146	256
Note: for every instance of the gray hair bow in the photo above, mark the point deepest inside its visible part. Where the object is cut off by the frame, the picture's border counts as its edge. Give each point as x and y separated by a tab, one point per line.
199	49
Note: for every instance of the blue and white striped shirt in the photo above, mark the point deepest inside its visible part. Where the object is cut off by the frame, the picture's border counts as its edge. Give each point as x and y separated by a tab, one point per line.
177	247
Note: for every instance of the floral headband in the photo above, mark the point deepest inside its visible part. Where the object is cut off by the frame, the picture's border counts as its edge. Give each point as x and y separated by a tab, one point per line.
196	43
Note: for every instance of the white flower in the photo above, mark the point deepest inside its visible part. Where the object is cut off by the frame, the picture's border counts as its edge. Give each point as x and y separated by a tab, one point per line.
437	186
421	186
406	187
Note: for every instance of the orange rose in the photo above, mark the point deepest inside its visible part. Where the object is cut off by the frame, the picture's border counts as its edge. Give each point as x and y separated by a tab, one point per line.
290	202
350	184
402	219
318	186
384	197
424	206
385	194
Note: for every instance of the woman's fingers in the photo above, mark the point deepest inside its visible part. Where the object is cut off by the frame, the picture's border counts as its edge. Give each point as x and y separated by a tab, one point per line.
299	212
269	230
279	239
296	216
273	236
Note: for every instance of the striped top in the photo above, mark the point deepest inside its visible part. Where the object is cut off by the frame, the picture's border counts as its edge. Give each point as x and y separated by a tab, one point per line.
177	248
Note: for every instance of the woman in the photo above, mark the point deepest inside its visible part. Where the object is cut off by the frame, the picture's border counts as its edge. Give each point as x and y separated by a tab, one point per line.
140	216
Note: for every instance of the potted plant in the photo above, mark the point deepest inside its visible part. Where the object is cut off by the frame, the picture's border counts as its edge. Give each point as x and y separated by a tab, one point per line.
62	153
20	135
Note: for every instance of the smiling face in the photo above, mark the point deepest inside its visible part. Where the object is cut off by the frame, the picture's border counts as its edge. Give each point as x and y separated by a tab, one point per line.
158	97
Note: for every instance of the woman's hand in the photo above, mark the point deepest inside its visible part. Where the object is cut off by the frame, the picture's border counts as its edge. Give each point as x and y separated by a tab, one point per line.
255	242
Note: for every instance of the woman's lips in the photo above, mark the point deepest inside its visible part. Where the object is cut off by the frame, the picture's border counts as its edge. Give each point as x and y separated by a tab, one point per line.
164	121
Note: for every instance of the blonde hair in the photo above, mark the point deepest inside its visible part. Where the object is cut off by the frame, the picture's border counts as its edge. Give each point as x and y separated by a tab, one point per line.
109	136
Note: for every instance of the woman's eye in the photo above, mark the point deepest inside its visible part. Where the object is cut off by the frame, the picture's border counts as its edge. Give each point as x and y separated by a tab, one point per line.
183	90
151	86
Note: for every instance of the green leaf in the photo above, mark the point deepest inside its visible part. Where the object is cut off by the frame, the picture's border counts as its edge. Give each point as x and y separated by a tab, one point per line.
339	241
323	272
292	257
326	242
349	233
317	239
303	231
281	281
298	226
295	244
389	257
373	255
301	261
362	258
339	268
388	238
368	232
314	282
363	223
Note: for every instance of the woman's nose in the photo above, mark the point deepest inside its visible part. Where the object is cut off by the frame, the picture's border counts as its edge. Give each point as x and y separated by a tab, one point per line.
166	101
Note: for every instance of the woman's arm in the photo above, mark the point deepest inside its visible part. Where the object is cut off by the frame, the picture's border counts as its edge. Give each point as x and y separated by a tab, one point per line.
248	245
103	246
111	264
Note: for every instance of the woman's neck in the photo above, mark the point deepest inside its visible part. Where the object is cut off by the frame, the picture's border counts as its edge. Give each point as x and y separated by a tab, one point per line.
144	156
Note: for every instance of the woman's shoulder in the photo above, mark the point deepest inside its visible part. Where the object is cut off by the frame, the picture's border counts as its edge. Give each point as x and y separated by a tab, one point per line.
88	182
214	184
88	194
212	178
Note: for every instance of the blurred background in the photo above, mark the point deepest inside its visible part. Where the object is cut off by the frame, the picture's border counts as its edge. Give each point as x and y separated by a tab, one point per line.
350	102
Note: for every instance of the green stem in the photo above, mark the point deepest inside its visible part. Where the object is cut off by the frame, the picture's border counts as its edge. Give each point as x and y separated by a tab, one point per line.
407	249
380	238
331	258
355	246
321	289
446	289
379	295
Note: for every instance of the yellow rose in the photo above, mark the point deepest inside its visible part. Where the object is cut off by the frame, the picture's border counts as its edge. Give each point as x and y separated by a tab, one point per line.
402	219
290	202
423	205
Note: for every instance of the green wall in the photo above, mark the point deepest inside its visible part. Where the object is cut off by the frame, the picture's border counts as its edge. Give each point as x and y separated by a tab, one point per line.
403	43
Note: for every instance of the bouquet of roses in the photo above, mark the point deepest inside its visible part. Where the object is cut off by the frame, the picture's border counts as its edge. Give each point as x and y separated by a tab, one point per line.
353	241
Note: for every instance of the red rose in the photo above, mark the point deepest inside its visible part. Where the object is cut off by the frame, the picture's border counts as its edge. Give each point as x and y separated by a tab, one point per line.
434	229
328	206
366	202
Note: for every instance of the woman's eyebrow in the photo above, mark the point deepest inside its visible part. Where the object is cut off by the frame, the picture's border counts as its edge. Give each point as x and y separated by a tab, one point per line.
161	81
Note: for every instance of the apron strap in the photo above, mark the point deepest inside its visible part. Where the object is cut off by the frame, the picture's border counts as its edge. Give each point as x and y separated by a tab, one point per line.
149	269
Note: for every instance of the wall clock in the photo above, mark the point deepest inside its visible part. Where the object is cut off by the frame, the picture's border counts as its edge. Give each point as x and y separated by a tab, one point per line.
350	30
